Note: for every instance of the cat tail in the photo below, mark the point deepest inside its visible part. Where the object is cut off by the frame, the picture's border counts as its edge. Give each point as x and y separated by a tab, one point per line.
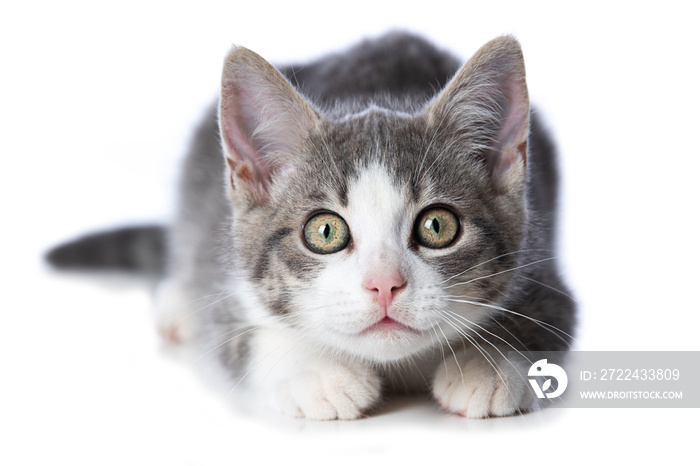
131	249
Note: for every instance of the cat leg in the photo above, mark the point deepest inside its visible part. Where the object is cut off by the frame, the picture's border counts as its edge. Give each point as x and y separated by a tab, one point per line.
477	385
173	314
303	381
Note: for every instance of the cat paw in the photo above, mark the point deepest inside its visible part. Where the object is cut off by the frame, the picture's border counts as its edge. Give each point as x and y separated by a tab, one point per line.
173	318
329	392
473	387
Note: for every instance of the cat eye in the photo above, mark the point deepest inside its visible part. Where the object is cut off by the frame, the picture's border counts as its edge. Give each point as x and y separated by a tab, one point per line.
436	227
326	233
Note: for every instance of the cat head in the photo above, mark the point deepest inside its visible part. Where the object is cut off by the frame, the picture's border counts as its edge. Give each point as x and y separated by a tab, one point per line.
381	233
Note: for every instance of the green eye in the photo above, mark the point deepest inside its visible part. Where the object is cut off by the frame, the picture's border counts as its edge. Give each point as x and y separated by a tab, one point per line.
436	228
326	233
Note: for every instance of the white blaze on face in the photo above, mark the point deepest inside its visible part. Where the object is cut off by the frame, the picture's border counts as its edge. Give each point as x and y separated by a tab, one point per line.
380	221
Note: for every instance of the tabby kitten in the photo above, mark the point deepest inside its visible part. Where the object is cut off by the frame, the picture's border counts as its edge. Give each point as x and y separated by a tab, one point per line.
378	220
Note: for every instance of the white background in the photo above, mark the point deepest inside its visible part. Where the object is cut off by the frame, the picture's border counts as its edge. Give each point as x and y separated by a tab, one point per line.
97	104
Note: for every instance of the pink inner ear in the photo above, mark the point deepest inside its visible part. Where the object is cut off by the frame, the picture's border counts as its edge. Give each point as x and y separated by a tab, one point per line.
509	160
516	121
236	141
238	122
510	147
510	164
239	117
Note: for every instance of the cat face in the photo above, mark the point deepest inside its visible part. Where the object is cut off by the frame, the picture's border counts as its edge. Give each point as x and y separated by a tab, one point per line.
380	234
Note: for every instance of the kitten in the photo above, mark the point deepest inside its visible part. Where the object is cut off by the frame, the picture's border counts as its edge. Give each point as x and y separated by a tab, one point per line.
375	221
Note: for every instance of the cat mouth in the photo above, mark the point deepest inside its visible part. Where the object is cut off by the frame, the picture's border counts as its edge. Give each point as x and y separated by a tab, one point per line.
387	325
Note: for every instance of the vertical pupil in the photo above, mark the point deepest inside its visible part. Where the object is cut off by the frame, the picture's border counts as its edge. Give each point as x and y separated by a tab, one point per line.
436	225
325	231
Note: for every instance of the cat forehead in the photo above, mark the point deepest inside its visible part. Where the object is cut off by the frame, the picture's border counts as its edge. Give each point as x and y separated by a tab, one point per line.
355	146
376	151
375	190
378	208
371	127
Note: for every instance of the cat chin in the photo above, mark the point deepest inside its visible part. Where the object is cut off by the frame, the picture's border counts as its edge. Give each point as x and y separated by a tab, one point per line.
385	346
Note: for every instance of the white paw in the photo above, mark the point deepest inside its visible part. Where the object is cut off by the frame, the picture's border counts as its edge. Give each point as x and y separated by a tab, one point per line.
173	316
328	391
473	388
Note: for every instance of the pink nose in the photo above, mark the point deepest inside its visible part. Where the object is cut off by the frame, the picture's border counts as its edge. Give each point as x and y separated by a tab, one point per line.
385	288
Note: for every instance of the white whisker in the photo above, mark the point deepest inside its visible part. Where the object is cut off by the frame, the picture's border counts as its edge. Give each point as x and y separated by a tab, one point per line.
547	326
529	264
522	251
459	366
470	323
547	286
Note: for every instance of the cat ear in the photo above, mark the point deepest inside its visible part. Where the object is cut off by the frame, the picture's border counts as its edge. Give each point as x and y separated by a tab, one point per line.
486	105
263	122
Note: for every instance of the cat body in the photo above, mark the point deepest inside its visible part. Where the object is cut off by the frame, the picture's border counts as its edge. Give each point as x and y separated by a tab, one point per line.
374	221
